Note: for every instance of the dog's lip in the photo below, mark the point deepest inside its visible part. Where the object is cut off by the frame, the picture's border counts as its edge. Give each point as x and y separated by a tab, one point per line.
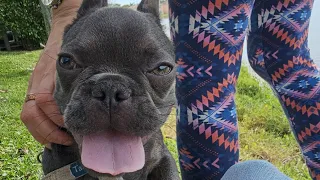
79	137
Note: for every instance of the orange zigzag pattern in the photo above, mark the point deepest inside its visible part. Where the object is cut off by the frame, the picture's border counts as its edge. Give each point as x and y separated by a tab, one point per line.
291	63
287	2
304	109
211	7
315	175
216	48
215	92
285	36
221	140
284	4
231	58
307	132
281	33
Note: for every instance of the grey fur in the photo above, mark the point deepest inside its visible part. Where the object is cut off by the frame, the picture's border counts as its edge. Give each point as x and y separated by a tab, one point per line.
116	48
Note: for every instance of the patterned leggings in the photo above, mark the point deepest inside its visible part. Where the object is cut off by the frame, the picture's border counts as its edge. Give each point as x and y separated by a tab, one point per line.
208	36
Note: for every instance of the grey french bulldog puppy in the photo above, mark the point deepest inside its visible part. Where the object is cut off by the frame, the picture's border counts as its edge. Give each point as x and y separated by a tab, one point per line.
115	88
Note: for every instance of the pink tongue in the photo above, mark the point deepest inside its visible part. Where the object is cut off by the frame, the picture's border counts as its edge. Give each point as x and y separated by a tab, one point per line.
112	152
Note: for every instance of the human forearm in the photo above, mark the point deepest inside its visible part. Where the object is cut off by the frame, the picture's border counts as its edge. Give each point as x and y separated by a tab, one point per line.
41	114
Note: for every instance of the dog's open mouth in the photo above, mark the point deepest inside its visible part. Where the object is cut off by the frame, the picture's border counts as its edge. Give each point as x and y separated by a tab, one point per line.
112	152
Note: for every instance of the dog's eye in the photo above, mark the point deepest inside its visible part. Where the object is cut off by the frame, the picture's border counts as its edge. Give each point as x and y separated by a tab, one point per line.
67	63
162	70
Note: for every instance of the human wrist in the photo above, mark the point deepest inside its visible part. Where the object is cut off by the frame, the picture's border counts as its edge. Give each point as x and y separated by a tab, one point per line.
61	17
67	10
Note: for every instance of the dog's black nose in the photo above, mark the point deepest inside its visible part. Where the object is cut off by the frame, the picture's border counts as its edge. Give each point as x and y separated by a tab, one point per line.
111	92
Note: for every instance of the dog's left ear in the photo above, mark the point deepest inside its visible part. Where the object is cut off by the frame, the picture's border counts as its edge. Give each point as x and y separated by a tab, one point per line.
149	6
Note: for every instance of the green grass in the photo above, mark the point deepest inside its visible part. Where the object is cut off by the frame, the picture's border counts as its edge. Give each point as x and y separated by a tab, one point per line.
18	150
264	130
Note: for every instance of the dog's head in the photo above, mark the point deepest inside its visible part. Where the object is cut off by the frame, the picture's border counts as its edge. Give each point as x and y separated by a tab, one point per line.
115	76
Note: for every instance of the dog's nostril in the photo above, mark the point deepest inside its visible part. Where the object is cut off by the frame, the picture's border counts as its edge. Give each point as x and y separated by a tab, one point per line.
100	95
121	96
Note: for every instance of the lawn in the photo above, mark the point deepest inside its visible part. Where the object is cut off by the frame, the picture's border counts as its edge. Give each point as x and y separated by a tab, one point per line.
264	130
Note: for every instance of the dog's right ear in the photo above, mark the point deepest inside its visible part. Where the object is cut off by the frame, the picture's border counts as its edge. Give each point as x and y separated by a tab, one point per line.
89	6
149	6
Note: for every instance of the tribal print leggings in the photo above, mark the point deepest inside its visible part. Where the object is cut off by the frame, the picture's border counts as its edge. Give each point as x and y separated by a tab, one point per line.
209	36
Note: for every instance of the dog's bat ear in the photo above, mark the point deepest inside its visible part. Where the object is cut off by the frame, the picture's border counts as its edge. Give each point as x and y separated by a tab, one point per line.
89	6
149	6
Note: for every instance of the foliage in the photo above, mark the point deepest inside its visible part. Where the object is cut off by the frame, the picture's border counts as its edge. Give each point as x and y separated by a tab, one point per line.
114	5
128	5
25	19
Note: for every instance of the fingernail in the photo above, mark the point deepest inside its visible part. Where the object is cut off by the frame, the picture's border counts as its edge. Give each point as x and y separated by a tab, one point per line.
68	143
48	146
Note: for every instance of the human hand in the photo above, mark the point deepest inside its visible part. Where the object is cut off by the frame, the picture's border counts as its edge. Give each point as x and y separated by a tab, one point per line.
41	115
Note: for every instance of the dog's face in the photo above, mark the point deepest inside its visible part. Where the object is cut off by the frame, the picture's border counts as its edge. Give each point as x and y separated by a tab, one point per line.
115	77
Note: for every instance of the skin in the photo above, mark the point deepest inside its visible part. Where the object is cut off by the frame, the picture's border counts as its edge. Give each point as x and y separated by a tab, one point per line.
42	116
